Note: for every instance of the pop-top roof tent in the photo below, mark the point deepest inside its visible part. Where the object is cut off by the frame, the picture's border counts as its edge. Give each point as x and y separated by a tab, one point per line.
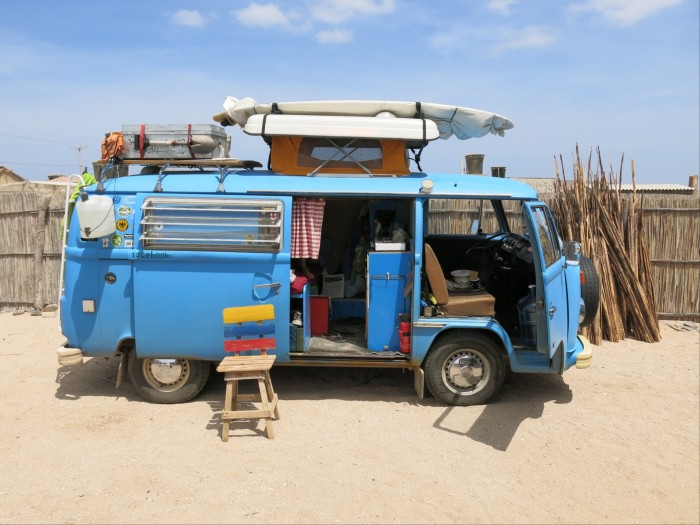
354	136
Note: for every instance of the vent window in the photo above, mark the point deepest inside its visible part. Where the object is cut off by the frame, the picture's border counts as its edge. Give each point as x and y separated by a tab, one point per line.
171	223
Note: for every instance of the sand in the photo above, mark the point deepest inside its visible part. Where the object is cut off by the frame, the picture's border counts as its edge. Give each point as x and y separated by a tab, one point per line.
617	443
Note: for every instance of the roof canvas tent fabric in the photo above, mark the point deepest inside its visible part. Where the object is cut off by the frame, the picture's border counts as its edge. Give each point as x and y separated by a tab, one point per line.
306	155
462	122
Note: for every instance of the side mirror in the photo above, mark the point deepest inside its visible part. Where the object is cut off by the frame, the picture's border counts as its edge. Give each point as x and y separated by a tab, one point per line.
572	253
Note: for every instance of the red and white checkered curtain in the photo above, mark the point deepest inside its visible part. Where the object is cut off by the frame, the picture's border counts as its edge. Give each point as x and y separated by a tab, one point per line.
307	221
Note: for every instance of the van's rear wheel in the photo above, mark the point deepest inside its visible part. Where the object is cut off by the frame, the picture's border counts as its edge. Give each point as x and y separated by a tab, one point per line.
168	380
464	369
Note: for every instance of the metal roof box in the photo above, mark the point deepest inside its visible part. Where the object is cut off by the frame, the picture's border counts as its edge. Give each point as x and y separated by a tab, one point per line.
175	141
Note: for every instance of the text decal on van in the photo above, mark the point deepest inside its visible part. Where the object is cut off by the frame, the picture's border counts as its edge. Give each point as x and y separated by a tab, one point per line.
151	255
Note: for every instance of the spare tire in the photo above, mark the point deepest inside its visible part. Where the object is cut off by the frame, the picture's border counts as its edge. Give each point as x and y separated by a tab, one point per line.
590	290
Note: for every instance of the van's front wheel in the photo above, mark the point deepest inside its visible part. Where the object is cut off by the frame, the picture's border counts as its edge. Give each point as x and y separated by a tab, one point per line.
464	369
168	380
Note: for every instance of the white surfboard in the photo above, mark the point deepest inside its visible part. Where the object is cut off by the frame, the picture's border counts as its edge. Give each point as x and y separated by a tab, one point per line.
462	122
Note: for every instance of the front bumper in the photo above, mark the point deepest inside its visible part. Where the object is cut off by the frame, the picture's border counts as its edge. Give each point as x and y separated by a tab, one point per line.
585	356
69	356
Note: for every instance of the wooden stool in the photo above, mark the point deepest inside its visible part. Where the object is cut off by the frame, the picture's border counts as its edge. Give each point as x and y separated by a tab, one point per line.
240	368
248	329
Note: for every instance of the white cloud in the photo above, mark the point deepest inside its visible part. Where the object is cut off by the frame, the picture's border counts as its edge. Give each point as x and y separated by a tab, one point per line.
186	17
263	15
623	12
334	36
448	40
502	6
338	11
495	41
528	37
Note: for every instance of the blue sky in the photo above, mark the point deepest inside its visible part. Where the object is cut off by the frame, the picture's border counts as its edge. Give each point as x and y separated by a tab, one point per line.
619	74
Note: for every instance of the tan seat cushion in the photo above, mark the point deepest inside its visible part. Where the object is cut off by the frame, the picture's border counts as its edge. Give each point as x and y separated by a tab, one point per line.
476	303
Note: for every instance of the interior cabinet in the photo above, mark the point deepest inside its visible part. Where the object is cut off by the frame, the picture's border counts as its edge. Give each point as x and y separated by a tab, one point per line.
387	276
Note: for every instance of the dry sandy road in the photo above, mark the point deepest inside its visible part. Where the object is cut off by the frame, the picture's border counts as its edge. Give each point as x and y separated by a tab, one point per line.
617	443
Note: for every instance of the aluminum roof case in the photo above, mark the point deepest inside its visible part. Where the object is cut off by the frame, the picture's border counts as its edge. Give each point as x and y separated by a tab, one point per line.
175	141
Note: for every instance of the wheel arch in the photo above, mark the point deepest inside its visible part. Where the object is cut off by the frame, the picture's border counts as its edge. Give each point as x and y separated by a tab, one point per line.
126	345
452	332
491	330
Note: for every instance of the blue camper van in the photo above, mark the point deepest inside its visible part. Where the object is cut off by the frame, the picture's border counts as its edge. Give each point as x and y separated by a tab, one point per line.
457	277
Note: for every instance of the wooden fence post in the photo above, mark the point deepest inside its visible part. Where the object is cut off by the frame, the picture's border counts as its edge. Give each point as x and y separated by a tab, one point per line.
39	252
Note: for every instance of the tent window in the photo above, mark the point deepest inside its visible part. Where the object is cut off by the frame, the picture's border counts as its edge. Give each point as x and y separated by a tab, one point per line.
315	151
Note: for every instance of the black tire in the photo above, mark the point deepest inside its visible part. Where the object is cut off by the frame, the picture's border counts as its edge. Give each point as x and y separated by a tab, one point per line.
168	381
590	290
451	365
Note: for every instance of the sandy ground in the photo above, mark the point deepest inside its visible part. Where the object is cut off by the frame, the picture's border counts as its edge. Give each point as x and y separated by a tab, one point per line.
617	443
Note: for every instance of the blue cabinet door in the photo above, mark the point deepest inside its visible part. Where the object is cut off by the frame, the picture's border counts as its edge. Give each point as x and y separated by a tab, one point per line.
387	273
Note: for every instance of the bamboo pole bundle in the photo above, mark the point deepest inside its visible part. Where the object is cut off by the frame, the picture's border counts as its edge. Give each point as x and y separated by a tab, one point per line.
610	227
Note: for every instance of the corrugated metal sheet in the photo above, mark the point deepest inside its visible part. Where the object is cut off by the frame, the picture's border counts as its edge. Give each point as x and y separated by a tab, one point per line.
658	188
546	185
541	184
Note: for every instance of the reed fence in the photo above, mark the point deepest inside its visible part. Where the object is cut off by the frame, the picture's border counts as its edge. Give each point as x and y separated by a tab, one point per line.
30	244
672	226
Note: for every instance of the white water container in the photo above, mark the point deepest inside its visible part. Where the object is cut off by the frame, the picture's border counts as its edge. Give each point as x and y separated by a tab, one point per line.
96	216
527	310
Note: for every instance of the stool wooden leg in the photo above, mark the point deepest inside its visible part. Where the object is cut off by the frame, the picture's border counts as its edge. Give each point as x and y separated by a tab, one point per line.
227	407
234	403
271	393
269	429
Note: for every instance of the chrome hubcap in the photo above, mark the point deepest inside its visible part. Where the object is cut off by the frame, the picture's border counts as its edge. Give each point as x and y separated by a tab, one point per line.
465	372
166	374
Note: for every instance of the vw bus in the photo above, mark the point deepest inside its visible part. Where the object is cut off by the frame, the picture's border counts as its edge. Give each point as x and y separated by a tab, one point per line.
456	277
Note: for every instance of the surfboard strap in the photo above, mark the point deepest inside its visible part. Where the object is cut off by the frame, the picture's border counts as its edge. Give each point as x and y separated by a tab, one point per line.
189	140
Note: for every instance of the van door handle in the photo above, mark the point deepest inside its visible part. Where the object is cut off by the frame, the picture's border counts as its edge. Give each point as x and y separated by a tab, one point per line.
276	286
551	311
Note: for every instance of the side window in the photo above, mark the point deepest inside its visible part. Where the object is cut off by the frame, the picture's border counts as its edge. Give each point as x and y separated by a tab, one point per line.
547	235
462	217
175	223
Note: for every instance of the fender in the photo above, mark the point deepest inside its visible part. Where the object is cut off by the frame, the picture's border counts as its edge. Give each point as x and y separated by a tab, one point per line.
426	331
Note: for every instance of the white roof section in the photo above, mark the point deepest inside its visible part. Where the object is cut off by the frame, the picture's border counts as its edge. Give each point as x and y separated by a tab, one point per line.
409	129
463	123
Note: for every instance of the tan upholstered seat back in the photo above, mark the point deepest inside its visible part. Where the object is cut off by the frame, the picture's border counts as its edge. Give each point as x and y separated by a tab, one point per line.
436	278
473	303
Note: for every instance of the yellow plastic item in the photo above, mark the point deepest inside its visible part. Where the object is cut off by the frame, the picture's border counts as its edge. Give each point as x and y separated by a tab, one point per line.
246	314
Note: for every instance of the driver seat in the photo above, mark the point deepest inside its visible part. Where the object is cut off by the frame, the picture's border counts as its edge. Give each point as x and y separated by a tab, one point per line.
464	304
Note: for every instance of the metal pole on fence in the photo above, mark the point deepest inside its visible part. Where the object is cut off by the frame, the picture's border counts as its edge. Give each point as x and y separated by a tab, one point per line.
39	254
